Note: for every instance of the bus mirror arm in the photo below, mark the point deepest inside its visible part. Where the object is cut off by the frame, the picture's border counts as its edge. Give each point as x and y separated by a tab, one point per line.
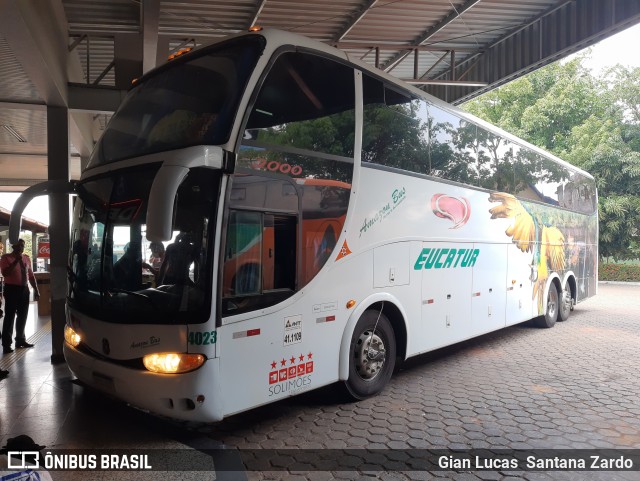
161	201
43	188
229	162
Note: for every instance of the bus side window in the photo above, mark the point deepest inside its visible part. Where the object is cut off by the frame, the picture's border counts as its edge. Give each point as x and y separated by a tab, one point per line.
394	132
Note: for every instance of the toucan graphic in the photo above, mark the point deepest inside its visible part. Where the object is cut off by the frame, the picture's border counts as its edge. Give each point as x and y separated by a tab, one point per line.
531	234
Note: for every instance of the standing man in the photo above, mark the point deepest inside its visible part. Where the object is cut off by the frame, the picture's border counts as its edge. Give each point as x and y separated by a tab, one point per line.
16	269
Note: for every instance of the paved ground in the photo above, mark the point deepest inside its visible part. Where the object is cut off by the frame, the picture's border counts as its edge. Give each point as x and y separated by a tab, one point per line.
571	387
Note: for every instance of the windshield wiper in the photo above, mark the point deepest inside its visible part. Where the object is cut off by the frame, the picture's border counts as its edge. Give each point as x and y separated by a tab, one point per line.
111	290
125	291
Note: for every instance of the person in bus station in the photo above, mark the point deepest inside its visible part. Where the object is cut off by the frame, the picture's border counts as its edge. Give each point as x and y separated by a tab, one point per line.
126	270
177	261
16	269
156	258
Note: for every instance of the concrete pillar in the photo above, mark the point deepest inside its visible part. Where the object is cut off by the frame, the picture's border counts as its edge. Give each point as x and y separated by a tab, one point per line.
59	217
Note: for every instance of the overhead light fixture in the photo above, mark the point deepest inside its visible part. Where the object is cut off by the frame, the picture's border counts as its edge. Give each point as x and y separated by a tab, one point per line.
15	133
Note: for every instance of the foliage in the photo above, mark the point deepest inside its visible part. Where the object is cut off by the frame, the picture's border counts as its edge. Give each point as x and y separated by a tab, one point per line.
626	90
593	123
619	272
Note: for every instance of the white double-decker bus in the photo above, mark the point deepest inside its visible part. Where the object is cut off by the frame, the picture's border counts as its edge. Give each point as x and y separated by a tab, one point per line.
320	219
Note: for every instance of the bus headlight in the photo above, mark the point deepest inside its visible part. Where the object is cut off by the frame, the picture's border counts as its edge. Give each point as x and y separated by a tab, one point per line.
172	362
71	336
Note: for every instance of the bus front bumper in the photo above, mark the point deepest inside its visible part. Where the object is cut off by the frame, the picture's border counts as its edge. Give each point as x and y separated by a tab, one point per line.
192	396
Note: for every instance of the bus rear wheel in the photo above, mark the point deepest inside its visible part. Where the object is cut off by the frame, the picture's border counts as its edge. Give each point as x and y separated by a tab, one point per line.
551	313
372	355
566	303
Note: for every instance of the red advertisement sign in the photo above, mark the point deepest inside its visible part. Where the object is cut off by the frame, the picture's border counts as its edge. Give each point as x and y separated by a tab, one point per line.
44	250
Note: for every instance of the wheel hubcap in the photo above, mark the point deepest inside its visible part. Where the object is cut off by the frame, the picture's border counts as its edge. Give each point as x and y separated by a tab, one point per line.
370	354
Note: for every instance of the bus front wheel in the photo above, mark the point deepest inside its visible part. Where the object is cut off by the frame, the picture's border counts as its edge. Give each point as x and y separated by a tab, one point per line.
372	355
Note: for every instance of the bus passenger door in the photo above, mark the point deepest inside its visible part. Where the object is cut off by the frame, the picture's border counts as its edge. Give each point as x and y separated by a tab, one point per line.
488	296
446	292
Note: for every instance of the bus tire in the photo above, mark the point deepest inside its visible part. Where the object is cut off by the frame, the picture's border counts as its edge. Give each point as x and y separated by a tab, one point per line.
551	312
565	305
372	355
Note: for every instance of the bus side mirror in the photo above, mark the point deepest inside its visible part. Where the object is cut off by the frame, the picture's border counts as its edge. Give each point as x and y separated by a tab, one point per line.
168	179
43	188
161	200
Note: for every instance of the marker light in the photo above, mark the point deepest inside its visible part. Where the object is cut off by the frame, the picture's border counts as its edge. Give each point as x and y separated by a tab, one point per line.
71	336
180	52
172	362
351	303
255	28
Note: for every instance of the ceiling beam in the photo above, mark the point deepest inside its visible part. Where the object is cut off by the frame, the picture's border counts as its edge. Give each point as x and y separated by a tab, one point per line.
256	13
538	42
460	83
38	37
81	132
40	45
94	99
11	104
37	34
80	125
150	15
431	31
510	34
17	185
395	46
353	20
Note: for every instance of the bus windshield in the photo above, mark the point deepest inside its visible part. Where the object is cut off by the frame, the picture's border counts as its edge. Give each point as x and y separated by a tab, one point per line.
179	107
117	275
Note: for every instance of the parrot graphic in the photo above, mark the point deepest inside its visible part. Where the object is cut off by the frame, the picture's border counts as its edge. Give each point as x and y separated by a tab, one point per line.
530	234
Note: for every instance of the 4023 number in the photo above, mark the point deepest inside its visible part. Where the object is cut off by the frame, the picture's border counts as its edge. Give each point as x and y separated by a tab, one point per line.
203	338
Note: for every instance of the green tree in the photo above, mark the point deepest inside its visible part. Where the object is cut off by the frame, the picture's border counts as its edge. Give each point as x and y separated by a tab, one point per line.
626	90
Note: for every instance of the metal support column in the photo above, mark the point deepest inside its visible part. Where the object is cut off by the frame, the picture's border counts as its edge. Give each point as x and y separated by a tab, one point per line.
34	251
59	217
